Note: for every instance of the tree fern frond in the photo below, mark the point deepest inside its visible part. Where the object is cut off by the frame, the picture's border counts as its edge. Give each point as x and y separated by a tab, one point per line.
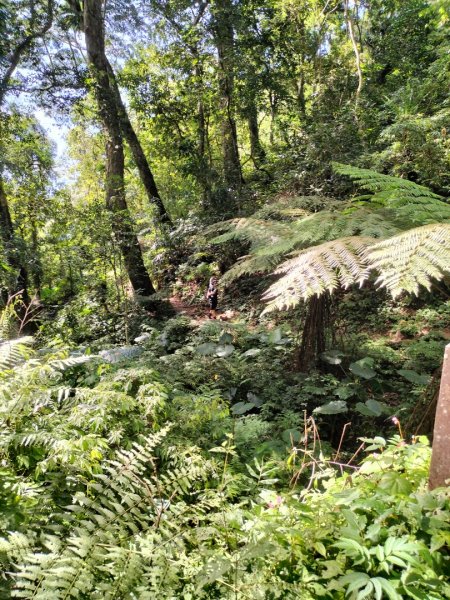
327	226
419	209
413	258
377	183
297	206
255	231
12	352
250	264
320	269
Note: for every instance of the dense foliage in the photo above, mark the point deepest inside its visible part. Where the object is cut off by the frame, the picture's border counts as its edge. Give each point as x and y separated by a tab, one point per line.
134	472
299	151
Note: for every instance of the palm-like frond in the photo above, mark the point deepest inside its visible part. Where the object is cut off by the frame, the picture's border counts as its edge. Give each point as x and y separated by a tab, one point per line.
268	249
412	259
320	269
344	239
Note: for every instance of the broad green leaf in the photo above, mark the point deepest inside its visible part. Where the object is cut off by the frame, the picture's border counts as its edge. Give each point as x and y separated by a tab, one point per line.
361	368
241	408
257	401
291	435
335	407
252	352
395	483
371	408
224	351
414	377
206	349
225	338
275	336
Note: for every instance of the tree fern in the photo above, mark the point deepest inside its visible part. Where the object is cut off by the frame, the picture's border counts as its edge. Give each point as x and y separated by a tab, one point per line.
412	202
326	259
378	183
339	263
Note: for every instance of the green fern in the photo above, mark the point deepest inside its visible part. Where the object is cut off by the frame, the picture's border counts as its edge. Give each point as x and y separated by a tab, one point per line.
323	268
326	259
413	203
13	352
377	183
411	259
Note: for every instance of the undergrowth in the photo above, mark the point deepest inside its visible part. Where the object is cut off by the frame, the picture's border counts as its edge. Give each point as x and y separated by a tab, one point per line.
190	465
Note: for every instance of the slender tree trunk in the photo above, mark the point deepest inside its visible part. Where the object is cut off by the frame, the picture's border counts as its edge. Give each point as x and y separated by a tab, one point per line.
36	267
224	40
258	153
137	151
12	253
6	224
203	175
115	187
351	33
273	113
301	96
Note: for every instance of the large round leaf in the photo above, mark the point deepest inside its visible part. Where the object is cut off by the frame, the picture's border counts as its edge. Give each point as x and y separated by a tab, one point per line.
206	349
362	368
332	408
224	351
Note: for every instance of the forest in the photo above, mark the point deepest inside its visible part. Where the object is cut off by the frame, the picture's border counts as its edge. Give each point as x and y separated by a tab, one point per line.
224	299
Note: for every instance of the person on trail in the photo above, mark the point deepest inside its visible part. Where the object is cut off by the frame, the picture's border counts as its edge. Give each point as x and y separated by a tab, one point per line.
211	296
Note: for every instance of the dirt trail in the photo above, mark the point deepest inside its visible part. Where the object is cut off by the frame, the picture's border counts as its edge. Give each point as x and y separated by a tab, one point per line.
199	314
195	313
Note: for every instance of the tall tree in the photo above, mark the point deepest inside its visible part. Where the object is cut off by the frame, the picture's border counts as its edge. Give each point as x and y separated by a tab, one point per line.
128	132
109	114
223	31
22	24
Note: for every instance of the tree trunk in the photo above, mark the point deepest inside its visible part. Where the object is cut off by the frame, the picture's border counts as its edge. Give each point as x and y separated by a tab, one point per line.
313	335
258	153
224	40
12	253
140	159
115	187
6	224
203	176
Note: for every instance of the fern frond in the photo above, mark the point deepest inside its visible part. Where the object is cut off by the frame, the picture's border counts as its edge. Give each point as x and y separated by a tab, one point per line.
318	270
286	207
257	232
377	183
411	259
327	226
13	352
413	203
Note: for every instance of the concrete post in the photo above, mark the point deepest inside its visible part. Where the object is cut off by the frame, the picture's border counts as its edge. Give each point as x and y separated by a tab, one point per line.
440	457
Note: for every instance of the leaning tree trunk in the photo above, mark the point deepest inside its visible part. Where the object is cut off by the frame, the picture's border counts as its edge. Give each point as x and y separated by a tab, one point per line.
140	159
115	187
224	40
